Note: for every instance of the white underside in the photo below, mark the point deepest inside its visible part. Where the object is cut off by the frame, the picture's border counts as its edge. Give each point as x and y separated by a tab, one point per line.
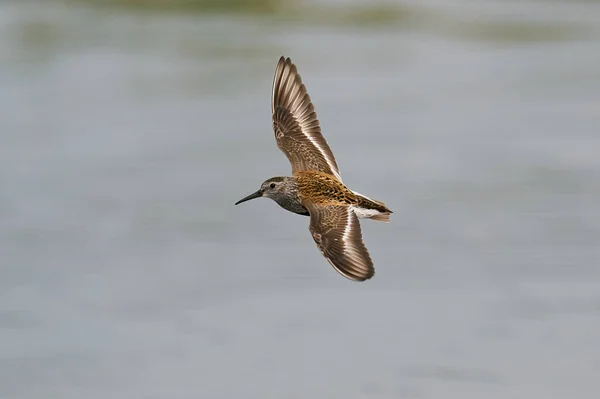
363	213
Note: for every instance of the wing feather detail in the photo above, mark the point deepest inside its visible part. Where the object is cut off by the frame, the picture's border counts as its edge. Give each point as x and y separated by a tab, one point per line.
337	233
297	128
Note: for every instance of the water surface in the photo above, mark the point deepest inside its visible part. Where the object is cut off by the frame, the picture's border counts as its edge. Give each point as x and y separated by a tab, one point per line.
127	135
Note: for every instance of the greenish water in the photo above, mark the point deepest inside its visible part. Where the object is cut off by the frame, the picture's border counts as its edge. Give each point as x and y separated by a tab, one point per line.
196	6
128	133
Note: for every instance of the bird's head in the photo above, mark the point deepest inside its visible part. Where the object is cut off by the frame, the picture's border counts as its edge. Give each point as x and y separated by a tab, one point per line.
271	188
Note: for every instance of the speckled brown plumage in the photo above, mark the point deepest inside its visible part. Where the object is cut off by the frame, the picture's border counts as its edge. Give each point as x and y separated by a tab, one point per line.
315	187
321	188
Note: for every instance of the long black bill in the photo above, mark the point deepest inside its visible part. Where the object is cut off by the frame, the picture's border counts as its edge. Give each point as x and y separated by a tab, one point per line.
257	194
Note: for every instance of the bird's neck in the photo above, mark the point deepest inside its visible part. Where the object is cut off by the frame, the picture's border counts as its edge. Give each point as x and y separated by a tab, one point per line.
288	198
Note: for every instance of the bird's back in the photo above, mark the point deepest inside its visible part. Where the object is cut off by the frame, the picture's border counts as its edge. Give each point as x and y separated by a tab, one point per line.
325	189
322	188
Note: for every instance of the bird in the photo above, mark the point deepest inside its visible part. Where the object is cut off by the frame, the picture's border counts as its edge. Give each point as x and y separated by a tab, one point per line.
315	188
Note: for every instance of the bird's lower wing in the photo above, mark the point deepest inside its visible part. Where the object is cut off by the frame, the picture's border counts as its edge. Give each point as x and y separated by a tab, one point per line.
336	230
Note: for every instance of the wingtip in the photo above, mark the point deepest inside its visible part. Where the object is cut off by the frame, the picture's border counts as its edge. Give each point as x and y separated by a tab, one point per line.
365	277
283	60
355	277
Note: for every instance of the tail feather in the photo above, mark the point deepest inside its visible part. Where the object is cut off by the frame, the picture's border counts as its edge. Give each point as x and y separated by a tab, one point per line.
382	217
369	203
373	209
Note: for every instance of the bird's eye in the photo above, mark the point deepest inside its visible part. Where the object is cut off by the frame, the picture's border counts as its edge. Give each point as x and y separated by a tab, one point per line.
272	185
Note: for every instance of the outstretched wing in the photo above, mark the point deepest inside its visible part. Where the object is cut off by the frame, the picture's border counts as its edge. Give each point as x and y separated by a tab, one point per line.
336	230
297	129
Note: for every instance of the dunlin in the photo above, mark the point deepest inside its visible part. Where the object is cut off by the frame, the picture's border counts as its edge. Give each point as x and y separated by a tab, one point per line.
315	188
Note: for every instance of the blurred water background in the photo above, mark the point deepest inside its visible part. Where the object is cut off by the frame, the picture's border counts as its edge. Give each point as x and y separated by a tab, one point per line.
130	128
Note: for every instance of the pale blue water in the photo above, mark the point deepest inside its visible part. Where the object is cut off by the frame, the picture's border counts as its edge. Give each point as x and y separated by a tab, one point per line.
126	271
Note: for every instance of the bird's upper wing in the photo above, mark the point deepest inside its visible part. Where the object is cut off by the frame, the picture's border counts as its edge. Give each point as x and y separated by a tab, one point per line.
297	129
336	230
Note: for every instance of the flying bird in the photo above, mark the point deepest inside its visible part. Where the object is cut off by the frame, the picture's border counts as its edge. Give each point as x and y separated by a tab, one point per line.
315	188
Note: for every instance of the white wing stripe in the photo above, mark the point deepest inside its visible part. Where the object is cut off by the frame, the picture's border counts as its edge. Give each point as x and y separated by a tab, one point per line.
324	153
347	231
